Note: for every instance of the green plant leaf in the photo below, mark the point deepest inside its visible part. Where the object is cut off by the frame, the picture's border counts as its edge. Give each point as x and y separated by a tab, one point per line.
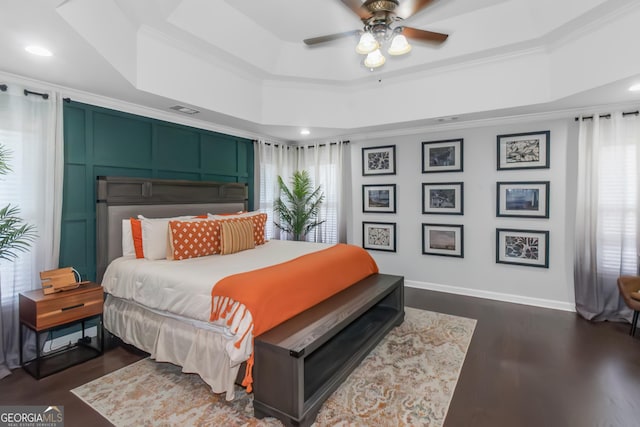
298	208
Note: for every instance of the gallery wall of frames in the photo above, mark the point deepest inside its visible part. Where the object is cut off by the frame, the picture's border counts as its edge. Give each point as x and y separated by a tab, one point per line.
471	208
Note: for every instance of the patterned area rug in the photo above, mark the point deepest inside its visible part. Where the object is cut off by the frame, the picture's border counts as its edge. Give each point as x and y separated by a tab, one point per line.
408	379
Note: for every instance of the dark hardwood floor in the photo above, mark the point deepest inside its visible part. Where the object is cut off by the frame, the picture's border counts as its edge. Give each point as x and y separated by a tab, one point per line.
525	366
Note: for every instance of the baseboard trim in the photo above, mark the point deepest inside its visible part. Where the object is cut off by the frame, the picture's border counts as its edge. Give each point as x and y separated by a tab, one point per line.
516	299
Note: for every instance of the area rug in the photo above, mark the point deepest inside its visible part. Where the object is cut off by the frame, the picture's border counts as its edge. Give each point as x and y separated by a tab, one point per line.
408	379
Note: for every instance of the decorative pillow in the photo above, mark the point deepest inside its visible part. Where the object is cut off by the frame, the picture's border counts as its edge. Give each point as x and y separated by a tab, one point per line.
155	235
259	222
192	239
236	236
127	239
136	234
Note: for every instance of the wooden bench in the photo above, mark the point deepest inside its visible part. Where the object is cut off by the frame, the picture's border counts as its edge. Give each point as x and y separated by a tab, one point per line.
299	363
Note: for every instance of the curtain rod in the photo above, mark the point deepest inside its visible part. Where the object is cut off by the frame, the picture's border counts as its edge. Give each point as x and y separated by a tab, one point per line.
608	116
308	146
29	92
4	87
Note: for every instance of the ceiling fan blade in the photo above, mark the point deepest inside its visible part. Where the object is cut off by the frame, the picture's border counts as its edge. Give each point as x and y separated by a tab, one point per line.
356	7
330	37
408	8
425	36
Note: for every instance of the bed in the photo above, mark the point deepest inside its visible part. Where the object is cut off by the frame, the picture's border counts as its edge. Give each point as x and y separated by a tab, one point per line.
165	307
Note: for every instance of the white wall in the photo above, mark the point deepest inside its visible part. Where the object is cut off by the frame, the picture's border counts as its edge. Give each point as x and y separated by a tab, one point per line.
477	274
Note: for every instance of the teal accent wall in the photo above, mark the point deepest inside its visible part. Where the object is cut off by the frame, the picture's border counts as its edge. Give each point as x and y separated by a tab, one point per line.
100	141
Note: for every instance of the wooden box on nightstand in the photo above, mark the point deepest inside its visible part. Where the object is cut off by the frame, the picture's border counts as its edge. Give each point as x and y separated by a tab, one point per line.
42	313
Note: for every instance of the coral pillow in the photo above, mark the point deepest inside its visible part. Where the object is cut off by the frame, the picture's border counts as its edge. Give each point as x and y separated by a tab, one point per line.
192	239
236	236
136	232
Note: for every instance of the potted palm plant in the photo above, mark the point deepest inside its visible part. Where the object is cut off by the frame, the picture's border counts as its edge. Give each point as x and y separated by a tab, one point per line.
298	208
15	235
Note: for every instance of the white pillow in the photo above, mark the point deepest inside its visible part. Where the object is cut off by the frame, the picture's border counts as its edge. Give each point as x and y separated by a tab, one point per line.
127	239
155	235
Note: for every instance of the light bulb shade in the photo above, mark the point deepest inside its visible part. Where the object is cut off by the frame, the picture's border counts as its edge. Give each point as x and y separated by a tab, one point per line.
374	59
399	45
367	44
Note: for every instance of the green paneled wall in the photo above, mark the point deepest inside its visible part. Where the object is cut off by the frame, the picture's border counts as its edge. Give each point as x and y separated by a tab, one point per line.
99	141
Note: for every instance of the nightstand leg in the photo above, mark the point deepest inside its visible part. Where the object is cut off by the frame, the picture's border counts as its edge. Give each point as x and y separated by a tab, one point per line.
20	344
83	331
37	361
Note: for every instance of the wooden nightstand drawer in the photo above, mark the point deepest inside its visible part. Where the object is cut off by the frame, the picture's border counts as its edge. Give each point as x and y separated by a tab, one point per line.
40	311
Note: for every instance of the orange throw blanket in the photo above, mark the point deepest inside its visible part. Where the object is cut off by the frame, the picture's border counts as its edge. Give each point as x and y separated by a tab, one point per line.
279	292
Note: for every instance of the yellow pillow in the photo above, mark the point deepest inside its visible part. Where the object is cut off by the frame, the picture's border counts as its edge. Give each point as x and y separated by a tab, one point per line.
236	236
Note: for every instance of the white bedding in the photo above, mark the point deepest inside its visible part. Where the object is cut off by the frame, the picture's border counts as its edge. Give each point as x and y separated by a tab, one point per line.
182	289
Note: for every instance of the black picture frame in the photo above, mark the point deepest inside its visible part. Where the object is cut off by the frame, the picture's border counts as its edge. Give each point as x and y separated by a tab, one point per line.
443	156
443	198
379	236
522	199
379	160
443	240
522	247
380	198
529	150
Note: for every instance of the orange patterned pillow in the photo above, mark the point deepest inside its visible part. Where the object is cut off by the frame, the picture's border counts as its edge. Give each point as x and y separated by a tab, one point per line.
259	222
192	239
236	236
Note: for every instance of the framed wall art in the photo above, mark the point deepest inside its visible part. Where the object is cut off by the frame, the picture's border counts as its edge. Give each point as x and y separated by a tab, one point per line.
379	160
522	247
442	156
524	150
442	198
379	236
526	199
379	198
443	239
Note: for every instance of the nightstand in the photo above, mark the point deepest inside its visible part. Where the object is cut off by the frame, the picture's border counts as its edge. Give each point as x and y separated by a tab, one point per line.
44	313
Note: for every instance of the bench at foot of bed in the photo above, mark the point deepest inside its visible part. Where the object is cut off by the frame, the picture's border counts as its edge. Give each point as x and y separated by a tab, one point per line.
299	363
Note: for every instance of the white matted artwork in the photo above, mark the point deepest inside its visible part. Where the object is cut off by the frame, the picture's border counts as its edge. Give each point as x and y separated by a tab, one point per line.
523	199
442	198
528	150
443	239
522	247
442	156
379	198
379	236
379	160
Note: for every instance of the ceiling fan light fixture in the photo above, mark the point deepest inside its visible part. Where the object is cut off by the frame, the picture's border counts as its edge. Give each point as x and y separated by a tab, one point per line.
367	44
399	45
375	59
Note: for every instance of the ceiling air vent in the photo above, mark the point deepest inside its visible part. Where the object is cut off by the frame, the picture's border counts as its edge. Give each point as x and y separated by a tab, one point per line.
185	110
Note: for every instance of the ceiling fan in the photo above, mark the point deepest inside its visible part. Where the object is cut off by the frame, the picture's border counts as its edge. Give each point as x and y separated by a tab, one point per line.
379	18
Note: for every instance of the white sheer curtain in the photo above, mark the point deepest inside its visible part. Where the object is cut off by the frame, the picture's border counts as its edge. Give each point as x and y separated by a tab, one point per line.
31	129
328	166
608	213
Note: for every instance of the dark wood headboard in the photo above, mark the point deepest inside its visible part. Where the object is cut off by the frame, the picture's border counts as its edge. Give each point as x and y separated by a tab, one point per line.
120	198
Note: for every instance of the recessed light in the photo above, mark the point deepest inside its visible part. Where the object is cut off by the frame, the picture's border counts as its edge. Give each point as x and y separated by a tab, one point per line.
185	110
635	87
305	132
38	50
